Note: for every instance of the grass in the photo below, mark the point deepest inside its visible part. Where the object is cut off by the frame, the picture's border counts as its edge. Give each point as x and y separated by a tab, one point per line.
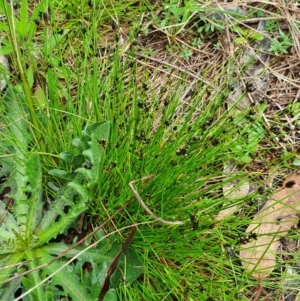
85	63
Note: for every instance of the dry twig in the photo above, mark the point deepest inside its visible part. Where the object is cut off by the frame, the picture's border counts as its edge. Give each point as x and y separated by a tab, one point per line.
138	197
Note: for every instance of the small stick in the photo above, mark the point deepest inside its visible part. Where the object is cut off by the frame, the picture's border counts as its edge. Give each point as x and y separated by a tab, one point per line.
113	265
258	293
138	197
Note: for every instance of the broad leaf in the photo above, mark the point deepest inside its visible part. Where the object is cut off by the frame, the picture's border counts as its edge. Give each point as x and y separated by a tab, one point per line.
271	223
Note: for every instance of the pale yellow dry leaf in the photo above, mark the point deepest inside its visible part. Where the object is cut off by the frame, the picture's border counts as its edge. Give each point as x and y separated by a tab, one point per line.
271	223
232	191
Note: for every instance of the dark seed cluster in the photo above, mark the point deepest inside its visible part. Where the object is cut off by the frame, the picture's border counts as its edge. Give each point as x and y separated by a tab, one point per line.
247	238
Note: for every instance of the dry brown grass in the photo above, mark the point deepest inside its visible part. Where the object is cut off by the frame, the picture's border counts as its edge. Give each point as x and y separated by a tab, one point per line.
207	64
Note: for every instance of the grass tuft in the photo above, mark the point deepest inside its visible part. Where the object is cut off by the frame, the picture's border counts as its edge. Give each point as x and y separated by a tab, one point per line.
161	74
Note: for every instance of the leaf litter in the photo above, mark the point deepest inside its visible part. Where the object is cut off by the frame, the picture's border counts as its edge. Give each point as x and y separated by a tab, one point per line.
271	223
233	191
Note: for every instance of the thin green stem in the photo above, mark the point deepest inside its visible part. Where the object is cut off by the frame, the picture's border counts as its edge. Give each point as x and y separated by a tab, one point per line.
28	96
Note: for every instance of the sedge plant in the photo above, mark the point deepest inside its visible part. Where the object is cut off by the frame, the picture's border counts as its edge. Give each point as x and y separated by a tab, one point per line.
104	125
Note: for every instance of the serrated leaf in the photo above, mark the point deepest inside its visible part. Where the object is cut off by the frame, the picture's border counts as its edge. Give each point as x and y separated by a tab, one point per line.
10	262
9	290
74	199
34	278
14	113
34	191
95	153
91	255
26	179
8	228
68	281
